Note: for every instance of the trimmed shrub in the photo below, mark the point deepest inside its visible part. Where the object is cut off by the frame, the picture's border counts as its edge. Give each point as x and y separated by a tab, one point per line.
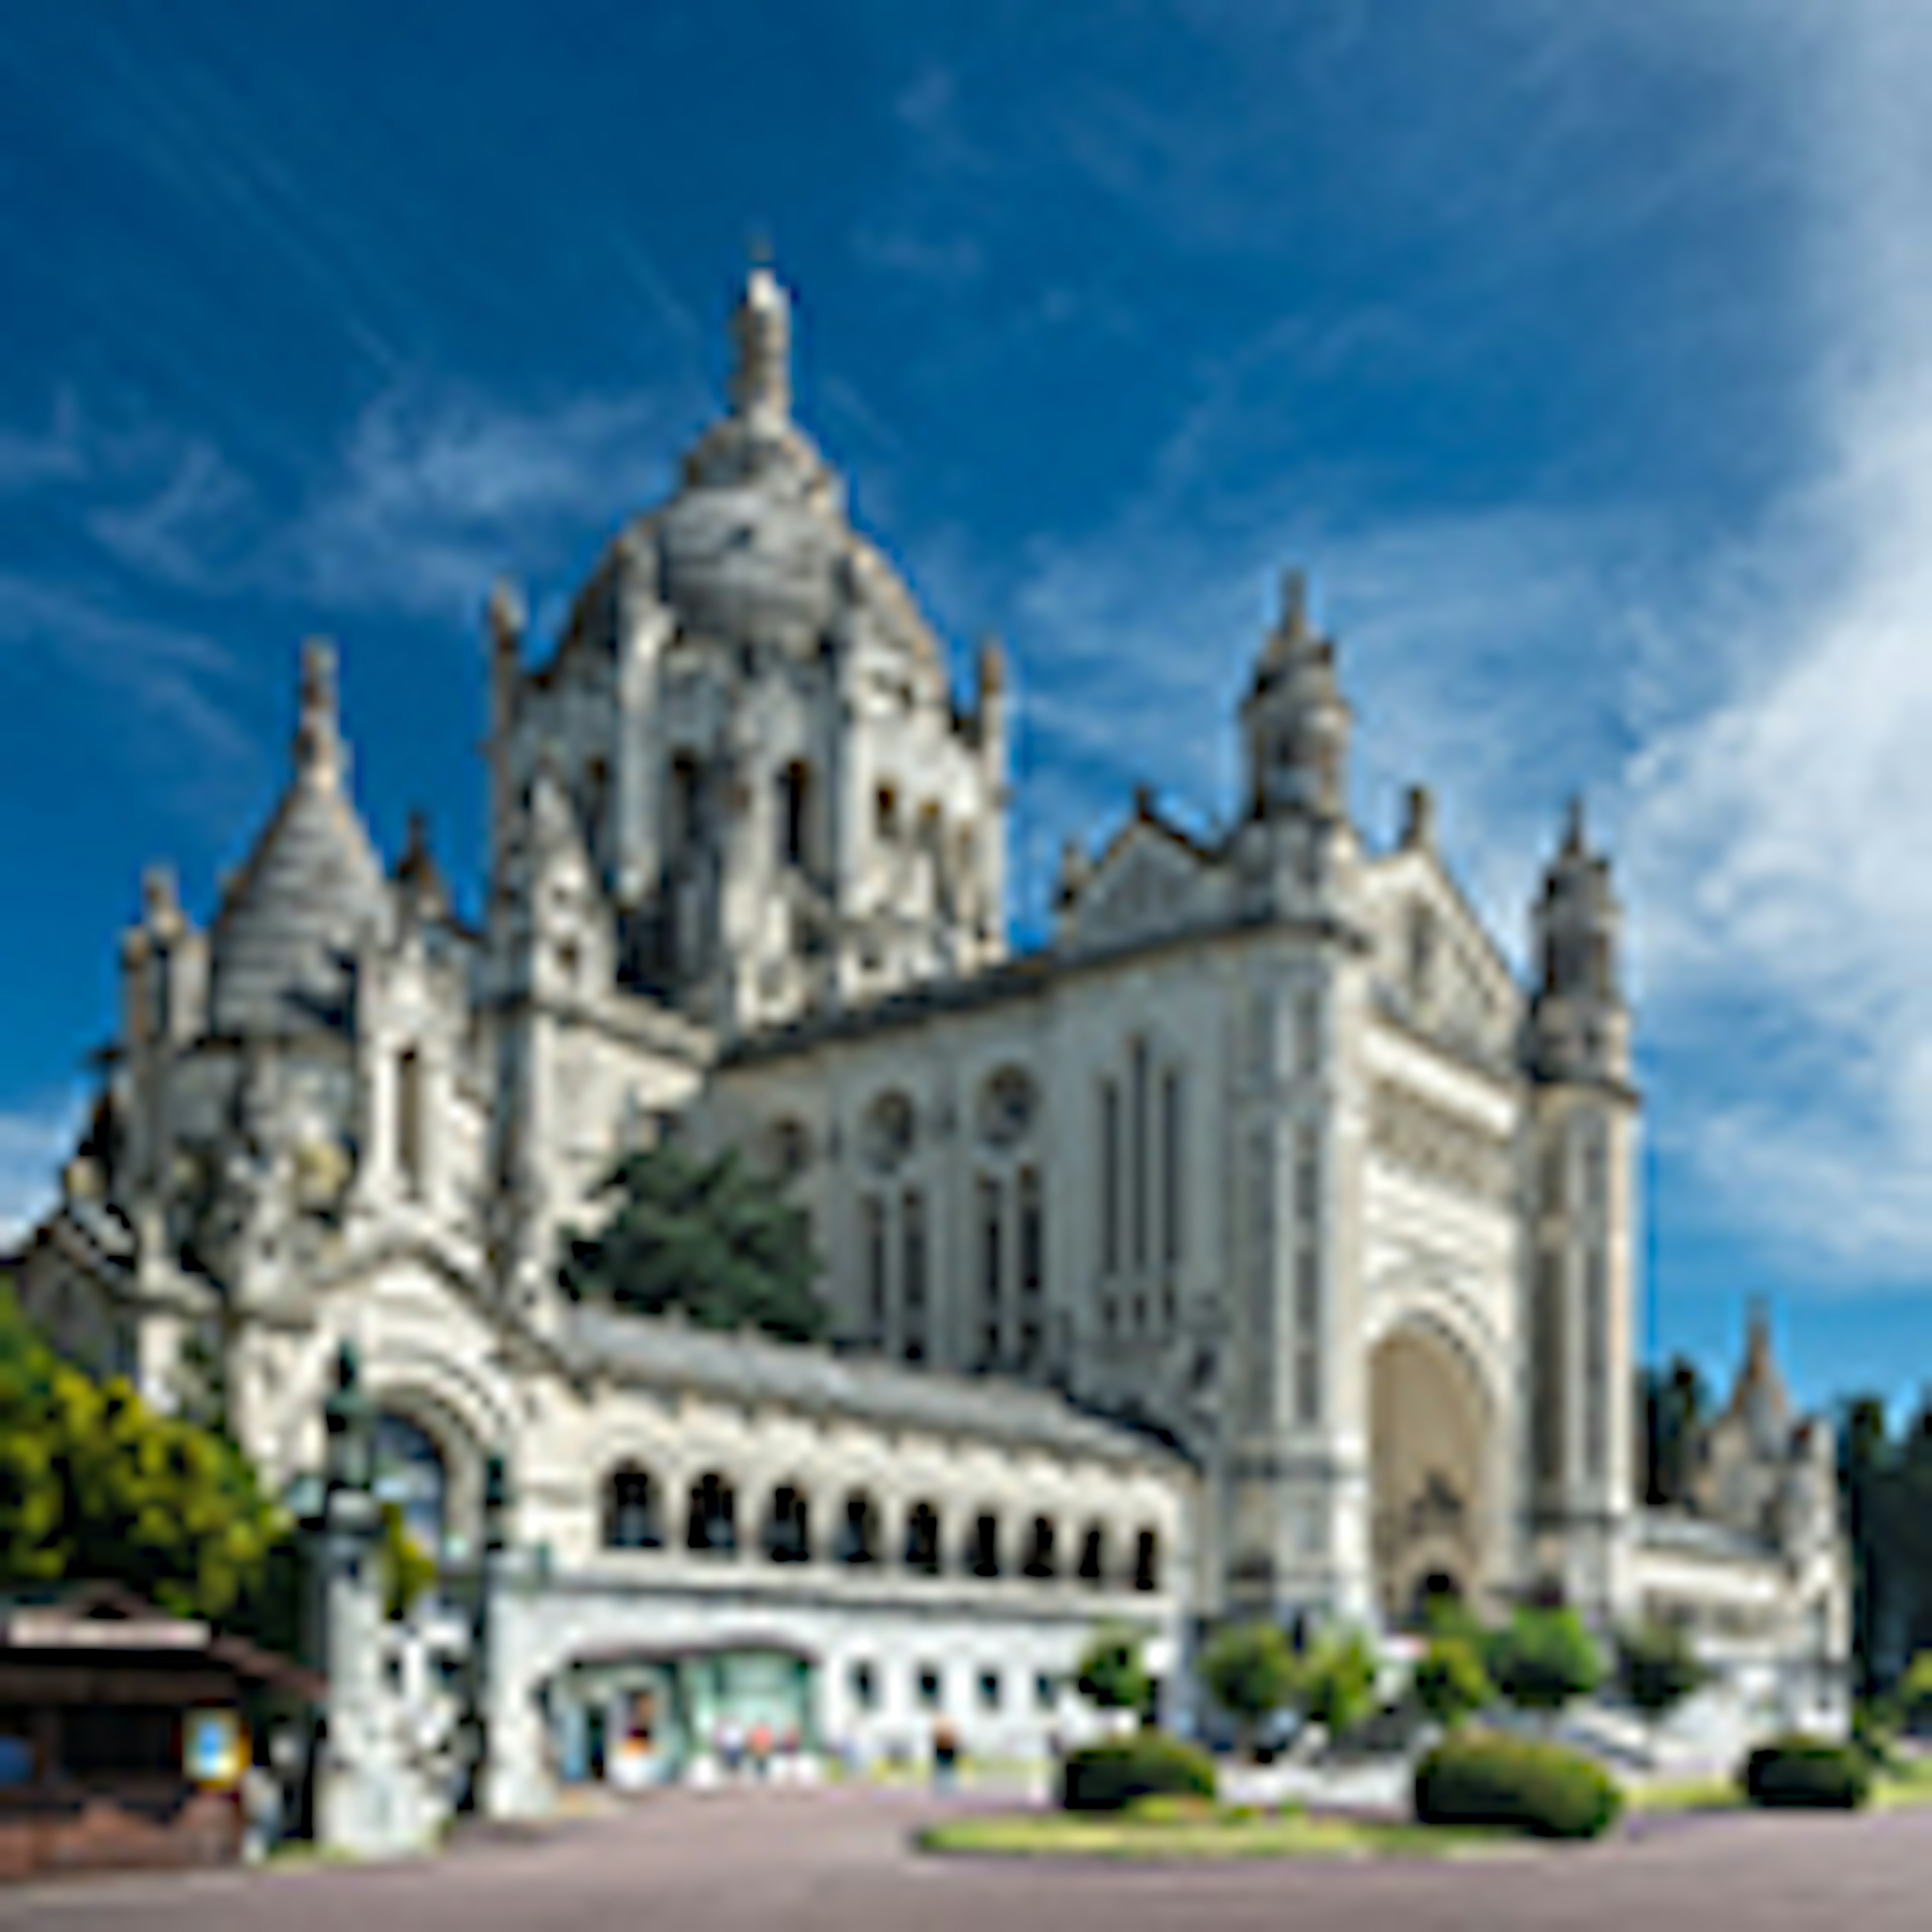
1476	1778
1151	1764
1811	1774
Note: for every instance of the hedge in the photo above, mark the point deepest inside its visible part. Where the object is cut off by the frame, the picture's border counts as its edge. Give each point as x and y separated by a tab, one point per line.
1110	1777
1809	1773
1483	1778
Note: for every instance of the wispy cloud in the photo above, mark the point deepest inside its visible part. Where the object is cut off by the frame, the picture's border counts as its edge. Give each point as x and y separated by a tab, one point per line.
35	1139
434	495
30	459
1780	833
173	686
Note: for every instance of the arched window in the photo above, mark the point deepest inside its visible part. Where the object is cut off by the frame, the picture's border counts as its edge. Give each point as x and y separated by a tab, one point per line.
983	1556
711	1526
922	1546
788	1528
1040	1549
1094	1555
630	1511
859	1536
1147	1560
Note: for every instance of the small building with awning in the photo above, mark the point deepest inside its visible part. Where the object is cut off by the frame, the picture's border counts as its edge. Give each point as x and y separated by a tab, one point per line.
124	1731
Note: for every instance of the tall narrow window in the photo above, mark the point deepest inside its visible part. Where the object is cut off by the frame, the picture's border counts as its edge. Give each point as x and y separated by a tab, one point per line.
872	1220
1171	1156
1260	1280
409	1122
1307	1183
1596	1358
1308	1335
1110	1177
1139	1063
912	1235
991	1242
1546	1455
685	805
1032	1267
1307	1034
794	804
1554	1166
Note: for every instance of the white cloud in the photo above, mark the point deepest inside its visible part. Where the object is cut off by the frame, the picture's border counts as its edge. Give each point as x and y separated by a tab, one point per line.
35	1140
435	496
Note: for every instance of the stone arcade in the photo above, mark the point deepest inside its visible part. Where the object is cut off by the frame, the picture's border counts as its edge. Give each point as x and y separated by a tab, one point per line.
1258	1245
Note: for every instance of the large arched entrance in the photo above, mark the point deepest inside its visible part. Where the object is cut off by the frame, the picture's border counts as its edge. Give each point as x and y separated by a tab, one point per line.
1431	1440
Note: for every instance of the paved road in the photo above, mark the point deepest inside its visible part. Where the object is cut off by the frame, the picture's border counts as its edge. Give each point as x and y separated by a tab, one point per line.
772	1862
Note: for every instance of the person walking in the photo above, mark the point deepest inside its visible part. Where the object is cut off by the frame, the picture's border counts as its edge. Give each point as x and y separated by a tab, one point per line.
945	1755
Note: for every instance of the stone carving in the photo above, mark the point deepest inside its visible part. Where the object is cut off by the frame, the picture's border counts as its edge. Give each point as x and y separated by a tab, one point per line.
1441	1146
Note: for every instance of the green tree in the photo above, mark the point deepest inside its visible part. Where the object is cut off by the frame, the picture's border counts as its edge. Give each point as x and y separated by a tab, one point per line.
94	1485
407	1571
1914	1696
1450	1681
1251	1671
1544	1658
1658	1669
1111	1675
1675	1406
1338	1681
712	1237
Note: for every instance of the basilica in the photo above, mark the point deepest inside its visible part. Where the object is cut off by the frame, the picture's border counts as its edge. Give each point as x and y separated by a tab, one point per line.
1260	1244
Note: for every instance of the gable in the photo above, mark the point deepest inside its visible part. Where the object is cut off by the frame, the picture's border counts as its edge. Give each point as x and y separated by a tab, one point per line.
1436	966
1149	885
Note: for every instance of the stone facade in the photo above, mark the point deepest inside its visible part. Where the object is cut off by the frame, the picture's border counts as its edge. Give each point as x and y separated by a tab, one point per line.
1266	1156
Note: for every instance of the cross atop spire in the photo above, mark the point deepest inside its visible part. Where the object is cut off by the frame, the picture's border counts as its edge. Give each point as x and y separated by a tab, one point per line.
761	330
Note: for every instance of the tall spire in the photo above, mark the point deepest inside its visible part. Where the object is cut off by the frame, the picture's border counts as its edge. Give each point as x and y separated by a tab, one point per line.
761	329
319	753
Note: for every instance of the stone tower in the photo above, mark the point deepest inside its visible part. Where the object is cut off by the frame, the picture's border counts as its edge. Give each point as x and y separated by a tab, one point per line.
1579	1262
1297	1468
753	726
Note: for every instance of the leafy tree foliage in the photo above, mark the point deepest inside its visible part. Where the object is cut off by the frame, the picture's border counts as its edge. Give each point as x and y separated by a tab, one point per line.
712	1237
1543	1659
94	1485
1111	1675
1450	1683
1885	1484
1675	1404
1251	1671
1914	1698
1657	1668
407	1571
1338	1681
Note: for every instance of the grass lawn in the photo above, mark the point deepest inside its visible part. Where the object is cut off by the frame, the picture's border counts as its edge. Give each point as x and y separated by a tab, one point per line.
1696	1794
1231	1833
1900	1790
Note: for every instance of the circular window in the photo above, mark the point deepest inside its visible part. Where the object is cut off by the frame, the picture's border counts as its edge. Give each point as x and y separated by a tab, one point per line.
1007	1105
889	1130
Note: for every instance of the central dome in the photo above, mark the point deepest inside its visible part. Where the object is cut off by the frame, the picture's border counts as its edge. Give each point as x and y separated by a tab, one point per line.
755	557
755	548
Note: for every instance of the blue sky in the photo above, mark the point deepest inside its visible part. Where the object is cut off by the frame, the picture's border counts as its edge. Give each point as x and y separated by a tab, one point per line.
1585	361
